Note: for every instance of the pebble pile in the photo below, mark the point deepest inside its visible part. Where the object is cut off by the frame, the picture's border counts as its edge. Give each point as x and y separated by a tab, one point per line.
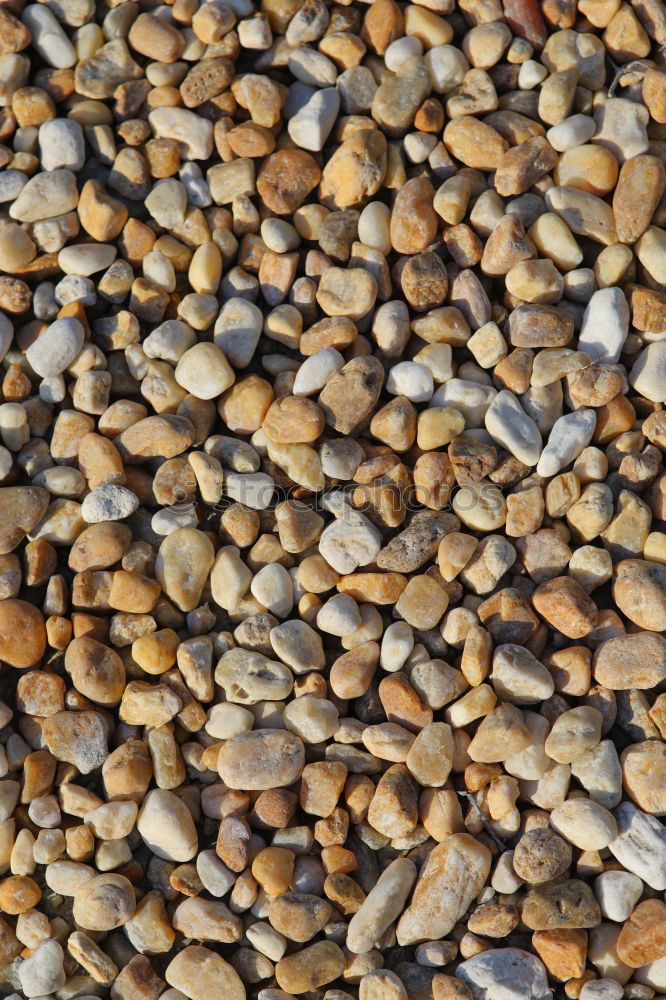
332	500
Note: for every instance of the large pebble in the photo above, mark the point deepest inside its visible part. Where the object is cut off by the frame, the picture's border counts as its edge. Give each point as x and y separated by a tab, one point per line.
108	503
508	425
617	893
648	375
199	973
605	326
571	433
48	37
505	974
42	972
55	349
383	904
267	758
192	131
166	826
640	845
455	872
46	195
311	125
62	144
184	560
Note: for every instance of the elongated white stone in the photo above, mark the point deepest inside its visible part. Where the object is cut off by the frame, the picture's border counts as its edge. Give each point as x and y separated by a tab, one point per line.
508	424
605	326
570	434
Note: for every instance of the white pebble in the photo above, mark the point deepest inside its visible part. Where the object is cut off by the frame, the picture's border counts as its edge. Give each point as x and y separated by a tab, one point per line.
108	503
272	586
339	615
316	370
55	349
605	326
571	433
411	380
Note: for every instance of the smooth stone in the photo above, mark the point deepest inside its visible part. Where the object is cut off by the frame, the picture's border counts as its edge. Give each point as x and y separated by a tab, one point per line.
518	677
412	380
11	183
637	660
316	370
573	131
166	826
42	972
653	975
183	563
447	66
605	326
621	127
640	845
46	195
383	904
254	489
298	645
350	541
648	375
600	774
237	330
265	758
199	974
53	352
311	126
472	399
505	974
571	433
62	144
86	258
584	823
602	989
453	875
508	425
48	37
617	893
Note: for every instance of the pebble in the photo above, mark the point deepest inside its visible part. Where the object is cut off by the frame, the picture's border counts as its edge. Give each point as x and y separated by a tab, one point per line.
43	972
617	893
511	428
640	845
197	971
442	893
647	373
166	826
237	331
584	823
108	503
48	37
349	542
570	435
263	759
331	496
52	352
382	905
602	989
605	326
194	133
411	380
505	974
62	145
310	127
46	195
